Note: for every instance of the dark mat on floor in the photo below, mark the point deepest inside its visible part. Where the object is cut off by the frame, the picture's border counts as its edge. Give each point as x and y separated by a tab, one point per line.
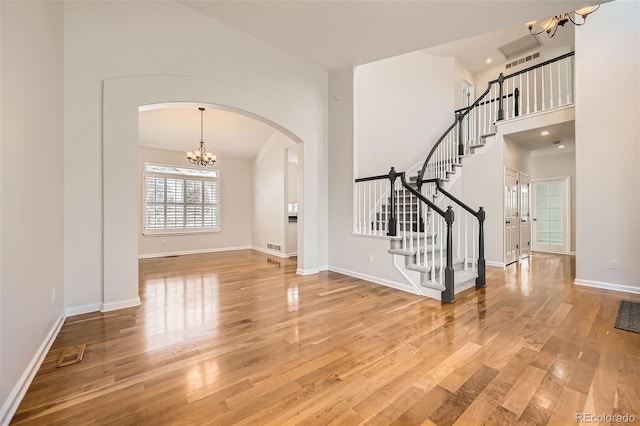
629	316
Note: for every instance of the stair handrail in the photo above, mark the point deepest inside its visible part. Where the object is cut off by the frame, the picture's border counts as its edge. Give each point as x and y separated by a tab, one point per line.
480	215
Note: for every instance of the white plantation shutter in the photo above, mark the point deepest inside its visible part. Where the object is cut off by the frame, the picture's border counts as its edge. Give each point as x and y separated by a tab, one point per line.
181	204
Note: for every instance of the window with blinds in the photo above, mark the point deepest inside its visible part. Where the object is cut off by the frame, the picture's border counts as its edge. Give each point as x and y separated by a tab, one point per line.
180	199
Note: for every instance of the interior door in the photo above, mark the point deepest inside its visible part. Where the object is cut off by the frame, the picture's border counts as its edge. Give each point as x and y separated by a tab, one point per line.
511	228
551	215
525	216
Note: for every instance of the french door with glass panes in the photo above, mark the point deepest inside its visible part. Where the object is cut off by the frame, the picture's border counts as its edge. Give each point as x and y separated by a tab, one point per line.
550	208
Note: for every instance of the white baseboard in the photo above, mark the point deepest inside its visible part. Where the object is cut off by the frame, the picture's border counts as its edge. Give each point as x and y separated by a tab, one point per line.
292	254
187	252
607	286
121	304
388	283
307	271
270	252
323	268
496	264
83	309
12	402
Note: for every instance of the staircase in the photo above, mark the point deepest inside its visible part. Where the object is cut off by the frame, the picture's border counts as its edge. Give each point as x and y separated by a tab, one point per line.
445	245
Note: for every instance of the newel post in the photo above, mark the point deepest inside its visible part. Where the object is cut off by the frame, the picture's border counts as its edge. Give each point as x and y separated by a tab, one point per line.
500	109
460	117
448	294
481	280
391	229
419	183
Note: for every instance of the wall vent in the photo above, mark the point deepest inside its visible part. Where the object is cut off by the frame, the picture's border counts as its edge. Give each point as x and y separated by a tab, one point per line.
275	247
522	60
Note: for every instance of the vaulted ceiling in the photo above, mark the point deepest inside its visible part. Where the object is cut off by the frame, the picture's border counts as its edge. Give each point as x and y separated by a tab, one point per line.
336	33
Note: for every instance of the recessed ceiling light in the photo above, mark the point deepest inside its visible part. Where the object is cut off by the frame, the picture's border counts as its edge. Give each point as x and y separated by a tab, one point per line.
544	133
488	60
560	146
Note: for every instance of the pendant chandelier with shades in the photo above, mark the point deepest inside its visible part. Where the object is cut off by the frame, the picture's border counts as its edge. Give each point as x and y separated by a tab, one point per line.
200	156
550	25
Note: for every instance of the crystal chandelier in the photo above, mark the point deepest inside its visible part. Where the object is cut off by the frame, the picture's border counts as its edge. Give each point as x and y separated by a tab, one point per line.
201	157
550	25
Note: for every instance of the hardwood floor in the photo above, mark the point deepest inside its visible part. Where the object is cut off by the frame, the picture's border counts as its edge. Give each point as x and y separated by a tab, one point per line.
239	338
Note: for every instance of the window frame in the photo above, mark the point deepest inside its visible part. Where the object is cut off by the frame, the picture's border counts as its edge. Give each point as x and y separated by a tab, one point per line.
184	177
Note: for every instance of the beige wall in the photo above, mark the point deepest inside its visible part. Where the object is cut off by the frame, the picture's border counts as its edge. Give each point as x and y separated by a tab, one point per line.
607	147
236	209
32	187
269	197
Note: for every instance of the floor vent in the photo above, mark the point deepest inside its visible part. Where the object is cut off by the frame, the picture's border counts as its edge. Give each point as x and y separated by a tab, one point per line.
275	247
71	355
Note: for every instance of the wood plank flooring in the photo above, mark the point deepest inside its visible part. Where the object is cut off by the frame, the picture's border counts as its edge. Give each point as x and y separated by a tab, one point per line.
239	338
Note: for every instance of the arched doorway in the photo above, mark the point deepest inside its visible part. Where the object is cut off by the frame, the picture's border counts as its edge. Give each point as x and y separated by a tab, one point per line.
121	99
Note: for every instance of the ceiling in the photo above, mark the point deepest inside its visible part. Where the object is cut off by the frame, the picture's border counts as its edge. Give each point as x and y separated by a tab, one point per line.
226	133
337	33
532	140
473	52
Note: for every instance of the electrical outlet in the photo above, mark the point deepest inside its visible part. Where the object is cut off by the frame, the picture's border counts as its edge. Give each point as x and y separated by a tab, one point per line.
613	264
370	258
53	296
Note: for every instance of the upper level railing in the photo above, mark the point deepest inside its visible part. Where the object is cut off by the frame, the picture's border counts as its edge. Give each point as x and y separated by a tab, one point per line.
537	88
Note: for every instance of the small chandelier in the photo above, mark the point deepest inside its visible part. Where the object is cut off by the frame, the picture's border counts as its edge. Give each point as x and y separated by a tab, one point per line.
201	157
550	25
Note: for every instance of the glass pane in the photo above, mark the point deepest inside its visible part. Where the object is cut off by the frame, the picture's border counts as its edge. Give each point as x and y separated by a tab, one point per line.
154	190
194	216
542	190
555	188
555	214
555	226
211	192
185	171
542	201
555	201
542	237
542	226
175	216
542	214
194	191
555	238
154	217
211	216
175	191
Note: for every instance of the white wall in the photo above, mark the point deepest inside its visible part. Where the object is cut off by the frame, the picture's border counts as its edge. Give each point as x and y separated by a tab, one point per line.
350	253
403	104
462	73
558	165
110	40
236	211
483	186
291	228
32	190
608	148
269	197
515	157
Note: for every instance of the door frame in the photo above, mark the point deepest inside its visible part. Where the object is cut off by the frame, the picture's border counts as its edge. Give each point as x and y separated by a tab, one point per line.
505	219
521	179
566	247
